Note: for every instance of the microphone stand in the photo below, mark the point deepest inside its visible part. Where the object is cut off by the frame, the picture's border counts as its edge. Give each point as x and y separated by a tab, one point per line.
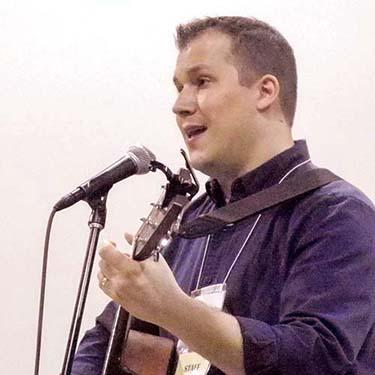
96	223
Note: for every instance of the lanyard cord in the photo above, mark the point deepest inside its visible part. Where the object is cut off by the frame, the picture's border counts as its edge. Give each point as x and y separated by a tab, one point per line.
247	237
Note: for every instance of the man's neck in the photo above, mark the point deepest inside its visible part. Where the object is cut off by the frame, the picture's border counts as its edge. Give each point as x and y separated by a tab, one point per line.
258	156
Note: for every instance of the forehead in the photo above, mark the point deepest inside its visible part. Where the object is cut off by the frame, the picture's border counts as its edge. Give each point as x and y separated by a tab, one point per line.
209	49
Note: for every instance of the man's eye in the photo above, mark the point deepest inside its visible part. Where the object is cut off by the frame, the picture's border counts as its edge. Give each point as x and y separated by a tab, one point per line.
202	81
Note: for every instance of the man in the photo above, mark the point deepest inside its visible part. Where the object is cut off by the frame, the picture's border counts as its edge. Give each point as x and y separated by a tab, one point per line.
300	277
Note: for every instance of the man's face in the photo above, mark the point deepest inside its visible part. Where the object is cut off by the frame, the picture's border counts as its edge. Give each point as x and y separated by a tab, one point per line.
215	114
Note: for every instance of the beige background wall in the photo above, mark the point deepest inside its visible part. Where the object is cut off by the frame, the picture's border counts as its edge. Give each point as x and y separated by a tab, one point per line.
83	80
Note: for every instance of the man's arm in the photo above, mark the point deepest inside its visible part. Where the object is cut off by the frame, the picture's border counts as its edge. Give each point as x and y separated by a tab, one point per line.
327	306
152	294
212	333
326	318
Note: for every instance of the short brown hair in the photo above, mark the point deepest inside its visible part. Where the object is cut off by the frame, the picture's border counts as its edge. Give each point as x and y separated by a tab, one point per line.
259	49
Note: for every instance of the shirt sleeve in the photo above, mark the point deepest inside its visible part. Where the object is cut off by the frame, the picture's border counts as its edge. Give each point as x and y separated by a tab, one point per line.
90	356
327	311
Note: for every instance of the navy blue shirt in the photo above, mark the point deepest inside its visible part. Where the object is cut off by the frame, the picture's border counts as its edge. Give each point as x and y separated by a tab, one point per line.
303	287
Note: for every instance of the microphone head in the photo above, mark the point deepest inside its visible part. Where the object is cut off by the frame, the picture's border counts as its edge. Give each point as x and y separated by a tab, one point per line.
142	157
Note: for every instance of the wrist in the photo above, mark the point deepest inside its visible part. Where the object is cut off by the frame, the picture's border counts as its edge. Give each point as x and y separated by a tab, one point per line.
173	310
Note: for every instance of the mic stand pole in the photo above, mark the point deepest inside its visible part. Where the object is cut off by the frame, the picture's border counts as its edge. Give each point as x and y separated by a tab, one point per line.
96	224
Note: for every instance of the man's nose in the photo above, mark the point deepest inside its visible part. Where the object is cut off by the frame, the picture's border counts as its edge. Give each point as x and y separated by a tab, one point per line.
185	104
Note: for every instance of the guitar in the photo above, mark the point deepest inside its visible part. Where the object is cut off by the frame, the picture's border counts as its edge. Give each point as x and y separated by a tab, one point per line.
152	237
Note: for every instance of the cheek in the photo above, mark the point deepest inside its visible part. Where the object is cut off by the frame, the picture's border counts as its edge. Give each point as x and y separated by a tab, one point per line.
203	102
226	107
212	104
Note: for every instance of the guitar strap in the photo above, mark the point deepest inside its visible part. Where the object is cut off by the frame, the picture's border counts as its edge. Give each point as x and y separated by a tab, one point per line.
291	188
163	354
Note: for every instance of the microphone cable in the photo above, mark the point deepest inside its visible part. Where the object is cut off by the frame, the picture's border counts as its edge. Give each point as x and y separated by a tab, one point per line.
42	292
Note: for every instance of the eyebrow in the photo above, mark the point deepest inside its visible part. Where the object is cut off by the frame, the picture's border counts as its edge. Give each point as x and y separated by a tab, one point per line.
191	70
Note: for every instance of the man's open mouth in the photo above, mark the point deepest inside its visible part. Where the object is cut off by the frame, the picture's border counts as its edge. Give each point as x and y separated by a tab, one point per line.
194	130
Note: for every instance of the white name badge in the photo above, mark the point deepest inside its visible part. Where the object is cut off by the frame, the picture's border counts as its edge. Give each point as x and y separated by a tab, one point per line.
189	362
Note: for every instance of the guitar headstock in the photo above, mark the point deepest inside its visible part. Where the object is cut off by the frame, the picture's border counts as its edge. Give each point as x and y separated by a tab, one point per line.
157	229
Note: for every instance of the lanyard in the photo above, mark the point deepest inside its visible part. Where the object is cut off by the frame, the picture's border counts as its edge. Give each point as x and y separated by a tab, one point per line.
247	237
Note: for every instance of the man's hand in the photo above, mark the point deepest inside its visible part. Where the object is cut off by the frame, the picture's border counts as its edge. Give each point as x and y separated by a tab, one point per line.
149	291
146	289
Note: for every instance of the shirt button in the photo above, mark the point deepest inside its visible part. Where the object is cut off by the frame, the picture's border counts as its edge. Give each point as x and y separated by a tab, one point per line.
228	227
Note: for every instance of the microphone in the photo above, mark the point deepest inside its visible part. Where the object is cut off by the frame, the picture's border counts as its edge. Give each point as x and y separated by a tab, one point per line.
136	161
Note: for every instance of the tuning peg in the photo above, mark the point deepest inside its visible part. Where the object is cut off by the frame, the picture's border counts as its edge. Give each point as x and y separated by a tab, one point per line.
148	222
156	205
155	256
140	240
152	224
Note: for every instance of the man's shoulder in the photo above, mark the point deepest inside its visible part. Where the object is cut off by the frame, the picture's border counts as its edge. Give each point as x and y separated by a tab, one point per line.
338	203
338	193
337	216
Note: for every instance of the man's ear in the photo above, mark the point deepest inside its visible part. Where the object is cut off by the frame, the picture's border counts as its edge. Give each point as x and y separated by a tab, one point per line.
268	91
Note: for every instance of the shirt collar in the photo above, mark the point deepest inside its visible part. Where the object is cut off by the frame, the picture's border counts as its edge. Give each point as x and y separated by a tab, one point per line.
264	176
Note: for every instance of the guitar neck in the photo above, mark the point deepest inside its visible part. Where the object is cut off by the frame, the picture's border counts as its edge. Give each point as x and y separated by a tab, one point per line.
120	330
